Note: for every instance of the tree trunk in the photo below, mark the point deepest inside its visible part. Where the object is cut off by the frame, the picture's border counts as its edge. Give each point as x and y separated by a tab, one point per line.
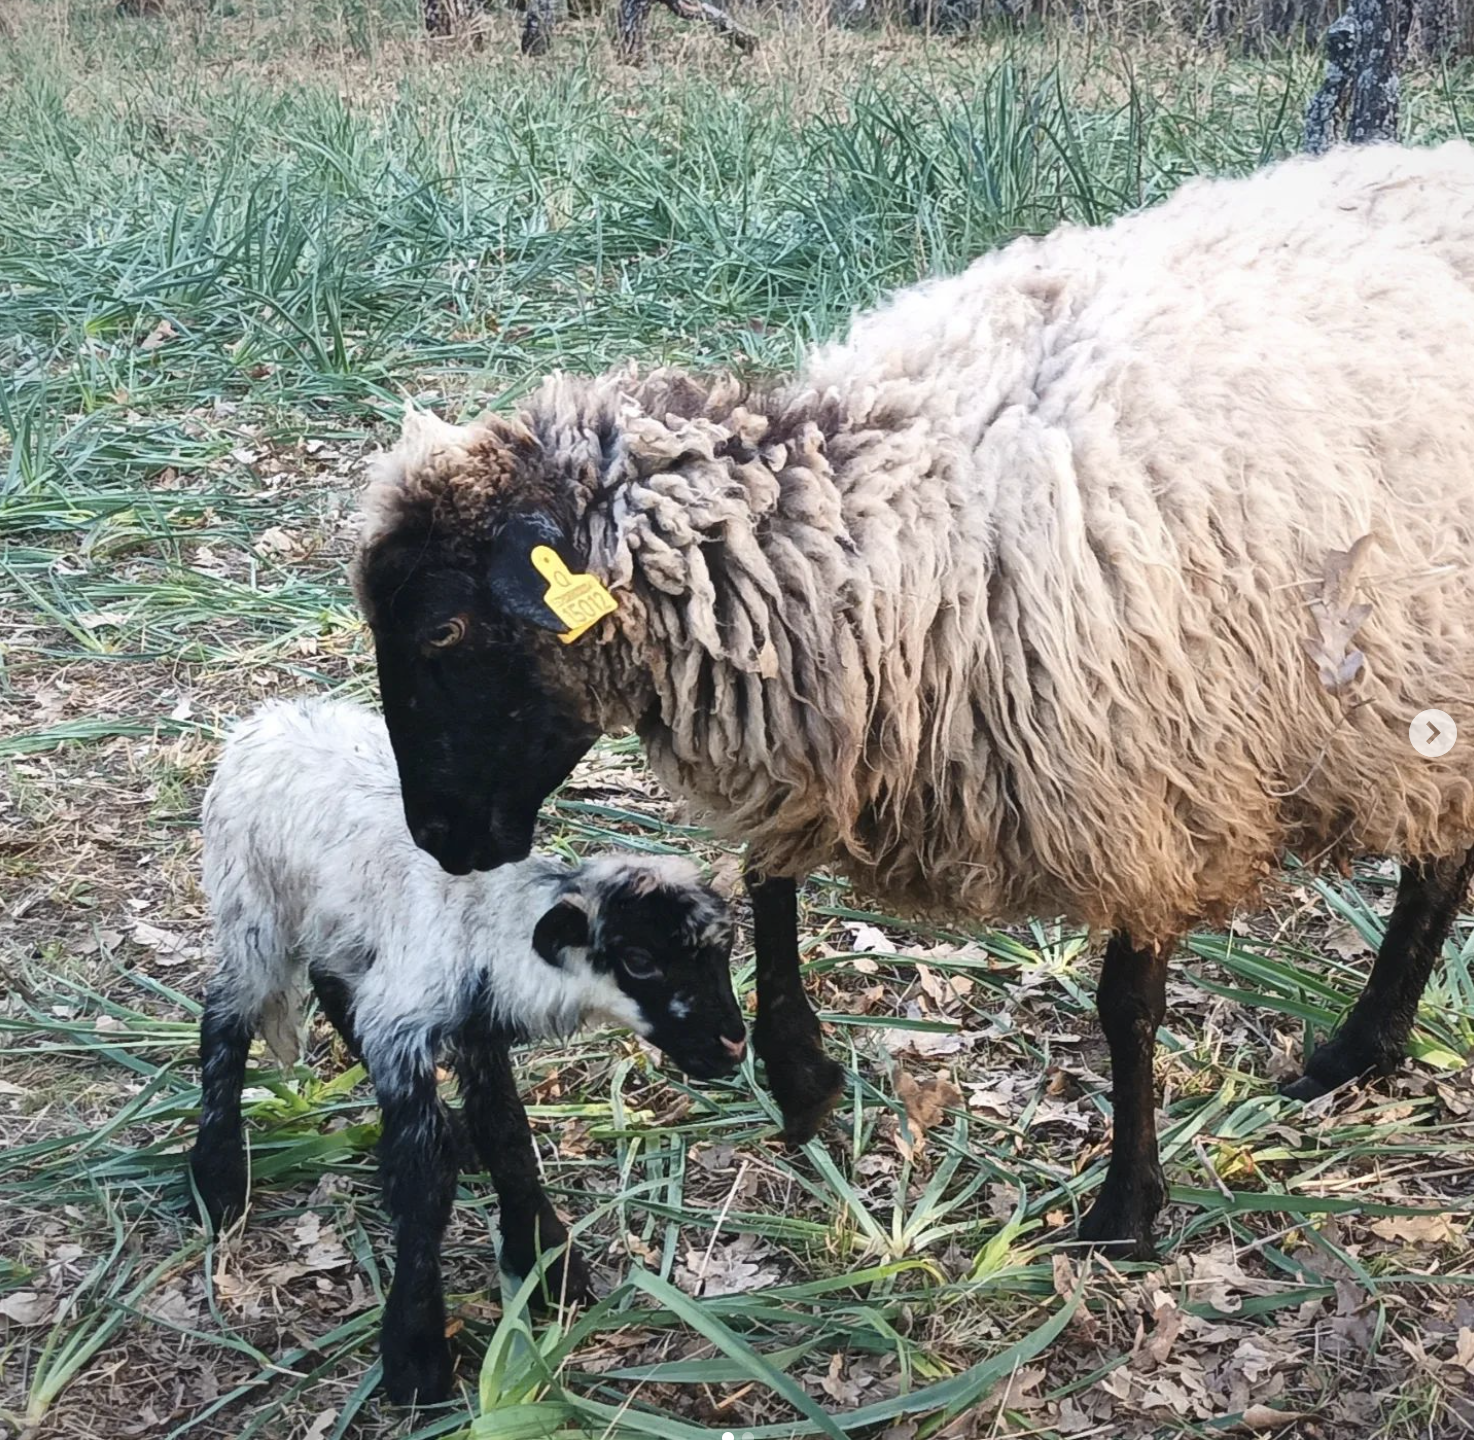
1360	88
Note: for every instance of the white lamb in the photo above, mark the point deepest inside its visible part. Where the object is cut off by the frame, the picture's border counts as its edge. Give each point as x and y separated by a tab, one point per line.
309	866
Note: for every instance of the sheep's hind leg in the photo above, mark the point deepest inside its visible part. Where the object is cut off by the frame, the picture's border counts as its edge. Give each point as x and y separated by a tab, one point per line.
217	1162
254	969
1375	1035
335	1000
502	1137
805	1082
418	1161
1132	999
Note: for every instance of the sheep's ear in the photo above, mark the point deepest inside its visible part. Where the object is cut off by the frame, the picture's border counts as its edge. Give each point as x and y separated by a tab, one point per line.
564	927
514	581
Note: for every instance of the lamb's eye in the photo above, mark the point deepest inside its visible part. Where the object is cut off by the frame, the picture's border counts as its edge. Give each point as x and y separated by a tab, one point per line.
639	965
444	636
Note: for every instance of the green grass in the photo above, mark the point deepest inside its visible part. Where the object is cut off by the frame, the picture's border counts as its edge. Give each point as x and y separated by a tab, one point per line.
230	244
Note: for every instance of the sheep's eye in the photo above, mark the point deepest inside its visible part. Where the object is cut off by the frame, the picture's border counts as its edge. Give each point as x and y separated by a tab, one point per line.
444	636
638	965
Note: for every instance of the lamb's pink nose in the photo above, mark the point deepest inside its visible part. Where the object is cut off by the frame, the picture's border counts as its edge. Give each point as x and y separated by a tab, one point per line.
735	1048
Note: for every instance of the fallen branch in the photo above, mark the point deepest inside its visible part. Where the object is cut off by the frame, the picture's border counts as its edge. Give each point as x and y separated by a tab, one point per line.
716	17
634	13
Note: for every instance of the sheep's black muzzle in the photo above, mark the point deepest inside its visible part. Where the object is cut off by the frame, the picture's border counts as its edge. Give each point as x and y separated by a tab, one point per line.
461	842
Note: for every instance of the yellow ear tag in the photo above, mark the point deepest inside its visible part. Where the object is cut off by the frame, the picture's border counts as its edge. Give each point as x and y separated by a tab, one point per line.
579	601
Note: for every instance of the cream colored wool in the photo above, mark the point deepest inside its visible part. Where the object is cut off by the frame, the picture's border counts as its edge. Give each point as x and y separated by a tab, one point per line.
1001	604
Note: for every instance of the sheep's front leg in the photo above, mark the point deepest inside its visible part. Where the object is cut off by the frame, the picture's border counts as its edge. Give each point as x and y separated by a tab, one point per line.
218	1160
805	1082
418	1164
1375	1035
499	1130
1132	999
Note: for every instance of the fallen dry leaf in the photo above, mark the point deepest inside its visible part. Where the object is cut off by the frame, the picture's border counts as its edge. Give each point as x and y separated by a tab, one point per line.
1258	1418
842	1391
161	332
321	1425
275	541
1337	619
1464	1350
1015	1395
1417	1229
282	1029
26	1307
168	947
868	938
728	1269
926	1103
171	1305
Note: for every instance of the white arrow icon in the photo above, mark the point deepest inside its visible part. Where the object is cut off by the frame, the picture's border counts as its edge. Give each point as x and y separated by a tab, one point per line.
1433	733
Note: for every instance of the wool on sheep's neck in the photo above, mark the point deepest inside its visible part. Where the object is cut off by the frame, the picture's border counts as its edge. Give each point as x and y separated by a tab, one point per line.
783	639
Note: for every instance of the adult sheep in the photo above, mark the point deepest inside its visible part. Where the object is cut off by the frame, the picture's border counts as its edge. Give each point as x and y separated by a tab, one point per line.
1006	604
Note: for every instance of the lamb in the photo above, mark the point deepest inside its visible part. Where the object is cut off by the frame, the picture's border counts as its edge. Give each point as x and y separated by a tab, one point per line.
1048	591
307	864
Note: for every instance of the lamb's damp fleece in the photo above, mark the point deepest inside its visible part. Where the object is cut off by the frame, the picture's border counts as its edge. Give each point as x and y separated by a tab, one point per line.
1002	604
307	857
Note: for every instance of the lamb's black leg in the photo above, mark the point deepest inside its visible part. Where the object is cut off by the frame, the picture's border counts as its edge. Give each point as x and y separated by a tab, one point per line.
335	999
1375	1035
537	29
805	1082
1132	999
218	1160
418	1163
499	1130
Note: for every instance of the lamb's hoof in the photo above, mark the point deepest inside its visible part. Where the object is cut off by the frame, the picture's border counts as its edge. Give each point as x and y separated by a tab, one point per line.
806	1089
1338	1062
1123	1217
565	1280
220	1179
418	1367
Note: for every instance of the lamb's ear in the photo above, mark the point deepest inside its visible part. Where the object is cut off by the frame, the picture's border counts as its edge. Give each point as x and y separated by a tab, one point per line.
564	927
514	581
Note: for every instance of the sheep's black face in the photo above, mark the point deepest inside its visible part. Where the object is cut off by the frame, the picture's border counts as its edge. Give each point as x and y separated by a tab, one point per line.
478	739
667	948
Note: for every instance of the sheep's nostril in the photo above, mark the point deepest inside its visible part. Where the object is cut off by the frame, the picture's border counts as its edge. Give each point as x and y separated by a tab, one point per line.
735	1048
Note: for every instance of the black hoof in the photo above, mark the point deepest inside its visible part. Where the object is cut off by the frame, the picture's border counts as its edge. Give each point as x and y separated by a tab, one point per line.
220	1178
1122	1220
1338	1062
418	1368
566	1279
807	1088
1306	1087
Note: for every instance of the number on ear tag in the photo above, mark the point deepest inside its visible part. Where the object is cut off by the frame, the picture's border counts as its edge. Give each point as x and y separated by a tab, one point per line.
579	601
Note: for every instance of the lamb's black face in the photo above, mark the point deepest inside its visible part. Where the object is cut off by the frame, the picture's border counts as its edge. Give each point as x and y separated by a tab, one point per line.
479	740
668	950
671	953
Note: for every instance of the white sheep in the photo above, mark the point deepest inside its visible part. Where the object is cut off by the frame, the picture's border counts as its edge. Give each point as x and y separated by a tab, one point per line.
1021	600
308	867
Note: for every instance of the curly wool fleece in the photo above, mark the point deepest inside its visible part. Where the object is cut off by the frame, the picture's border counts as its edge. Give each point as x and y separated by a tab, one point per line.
1004	603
